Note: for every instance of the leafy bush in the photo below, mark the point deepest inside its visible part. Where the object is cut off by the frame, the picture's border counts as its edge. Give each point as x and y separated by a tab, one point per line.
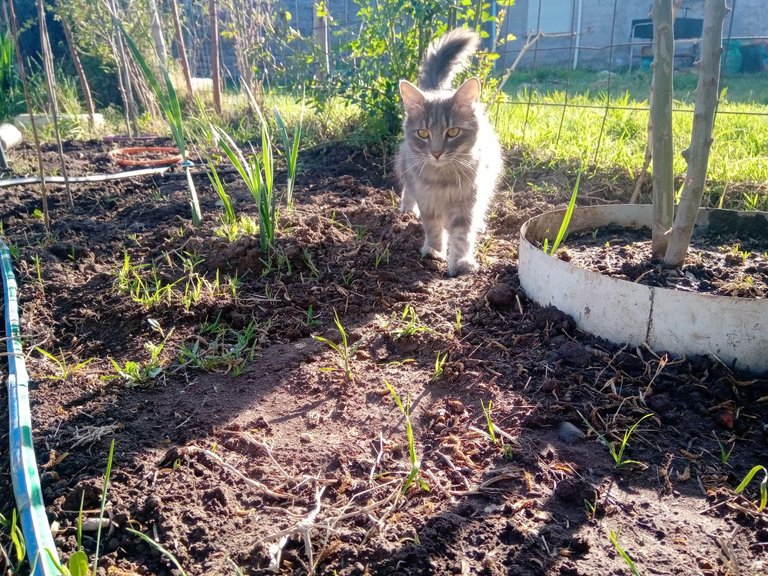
392	38
11	97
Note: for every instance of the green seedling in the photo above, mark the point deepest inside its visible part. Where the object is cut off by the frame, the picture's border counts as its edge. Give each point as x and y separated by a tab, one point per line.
136	373
725	455
457	323
103	506
618	455
312	319
763	485
345	351
410	324
489	420
290	151
381	256
228	216
38	271
157	546
590	508
614	536
18	544
65	370
414	474
440	360
566	219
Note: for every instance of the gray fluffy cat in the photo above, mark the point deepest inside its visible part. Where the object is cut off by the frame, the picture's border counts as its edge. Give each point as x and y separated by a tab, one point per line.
449	160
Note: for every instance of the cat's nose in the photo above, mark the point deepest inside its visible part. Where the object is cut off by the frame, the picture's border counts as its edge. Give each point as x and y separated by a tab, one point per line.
436	154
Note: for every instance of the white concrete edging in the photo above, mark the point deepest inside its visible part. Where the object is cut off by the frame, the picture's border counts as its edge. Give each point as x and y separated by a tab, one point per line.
735	330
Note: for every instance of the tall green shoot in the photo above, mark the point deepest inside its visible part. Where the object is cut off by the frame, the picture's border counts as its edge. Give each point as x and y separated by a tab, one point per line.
291	151
258	176
103	506
763	485
168	100
414	474
563	230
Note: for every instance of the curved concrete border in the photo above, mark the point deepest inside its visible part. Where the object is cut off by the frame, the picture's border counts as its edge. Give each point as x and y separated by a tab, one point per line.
733	329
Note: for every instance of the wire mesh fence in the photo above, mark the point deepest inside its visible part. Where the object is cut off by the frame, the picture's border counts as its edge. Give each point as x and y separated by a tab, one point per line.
583	69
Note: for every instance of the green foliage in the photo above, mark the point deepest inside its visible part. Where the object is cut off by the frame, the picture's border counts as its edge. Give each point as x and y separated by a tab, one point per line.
257	172
344	349
566	220
11	96
763	485
393	37
614	537
487	409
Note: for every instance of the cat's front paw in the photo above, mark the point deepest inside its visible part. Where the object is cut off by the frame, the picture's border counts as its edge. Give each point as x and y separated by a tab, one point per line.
429	252
463	266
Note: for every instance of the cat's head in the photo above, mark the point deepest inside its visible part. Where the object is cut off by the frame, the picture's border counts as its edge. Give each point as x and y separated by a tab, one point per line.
440	126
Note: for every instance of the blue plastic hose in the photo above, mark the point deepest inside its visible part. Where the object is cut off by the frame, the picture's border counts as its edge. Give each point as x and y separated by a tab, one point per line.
41	550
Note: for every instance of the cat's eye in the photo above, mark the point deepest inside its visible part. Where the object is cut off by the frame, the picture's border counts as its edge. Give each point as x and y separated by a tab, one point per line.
423	133
453	132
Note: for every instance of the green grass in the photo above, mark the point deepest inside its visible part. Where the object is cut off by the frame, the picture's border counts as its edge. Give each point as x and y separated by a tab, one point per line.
555	137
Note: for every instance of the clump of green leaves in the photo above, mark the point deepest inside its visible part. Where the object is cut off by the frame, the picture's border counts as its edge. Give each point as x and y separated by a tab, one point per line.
619	461
344	349
290	151
487	409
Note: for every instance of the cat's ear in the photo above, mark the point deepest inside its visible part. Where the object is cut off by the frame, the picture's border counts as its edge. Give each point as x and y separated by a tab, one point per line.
468	93
413	98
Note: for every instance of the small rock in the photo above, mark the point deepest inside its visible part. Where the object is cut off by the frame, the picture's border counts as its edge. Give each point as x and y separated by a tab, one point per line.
660	403
569	433
500	296
306	438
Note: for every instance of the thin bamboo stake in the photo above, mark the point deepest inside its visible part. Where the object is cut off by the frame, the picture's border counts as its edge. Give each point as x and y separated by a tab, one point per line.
124	79
215	66
182	49
80	71
50	80
157	33
28	99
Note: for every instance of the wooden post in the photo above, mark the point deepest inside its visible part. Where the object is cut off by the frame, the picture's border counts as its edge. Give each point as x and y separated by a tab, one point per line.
30	111
697	154
157	33
50	79
182	50
215	67
79	68
661	120
320	34
124	77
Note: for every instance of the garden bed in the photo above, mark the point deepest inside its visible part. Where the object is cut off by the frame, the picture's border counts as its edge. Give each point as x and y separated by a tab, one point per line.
252	427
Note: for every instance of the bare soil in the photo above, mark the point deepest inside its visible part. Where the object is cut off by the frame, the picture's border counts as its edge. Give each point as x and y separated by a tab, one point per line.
251	444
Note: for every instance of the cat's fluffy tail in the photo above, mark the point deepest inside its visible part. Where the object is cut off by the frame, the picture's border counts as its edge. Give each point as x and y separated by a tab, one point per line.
446	57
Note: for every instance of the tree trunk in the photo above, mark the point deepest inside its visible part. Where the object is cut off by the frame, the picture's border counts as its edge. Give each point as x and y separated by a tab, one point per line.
697	154
215	68
157	34
661	120
182	49
79	68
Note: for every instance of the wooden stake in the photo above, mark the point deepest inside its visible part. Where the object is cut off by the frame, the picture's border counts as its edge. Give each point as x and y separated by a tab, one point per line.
28	99
80	71
182	49
215	67
50	78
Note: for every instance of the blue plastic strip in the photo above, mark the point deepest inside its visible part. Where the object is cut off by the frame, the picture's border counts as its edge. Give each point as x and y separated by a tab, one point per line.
26	481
